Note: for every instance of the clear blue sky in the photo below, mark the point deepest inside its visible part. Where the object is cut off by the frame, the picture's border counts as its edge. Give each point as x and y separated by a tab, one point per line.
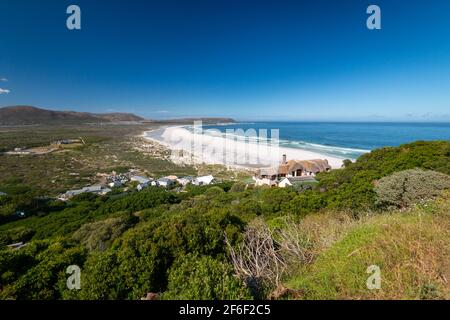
247	59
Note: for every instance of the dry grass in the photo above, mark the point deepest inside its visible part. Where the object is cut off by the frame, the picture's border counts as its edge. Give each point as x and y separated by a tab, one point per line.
412	249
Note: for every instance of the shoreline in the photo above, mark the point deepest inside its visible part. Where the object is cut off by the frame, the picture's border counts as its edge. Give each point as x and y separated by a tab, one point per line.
231	153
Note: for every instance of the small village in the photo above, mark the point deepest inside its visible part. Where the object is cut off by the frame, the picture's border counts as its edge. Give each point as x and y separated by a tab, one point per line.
129	181
287	174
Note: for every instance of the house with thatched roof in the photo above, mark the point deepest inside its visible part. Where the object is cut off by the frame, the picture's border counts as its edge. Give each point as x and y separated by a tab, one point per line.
300	169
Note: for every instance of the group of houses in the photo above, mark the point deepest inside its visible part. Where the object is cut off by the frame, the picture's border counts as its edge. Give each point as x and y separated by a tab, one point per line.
287	173
117	181
170	181
99	190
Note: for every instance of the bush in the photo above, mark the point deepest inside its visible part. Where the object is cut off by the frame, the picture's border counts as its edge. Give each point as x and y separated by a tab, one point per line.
214	192
405	188
38	271
99	235
18	234
238	187
204	278
247	207
307	202
352	187
275	200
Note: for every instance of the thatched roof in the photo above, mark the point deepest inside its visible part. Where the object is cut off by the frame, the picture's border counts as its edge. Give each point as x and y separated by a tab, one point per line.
270	171
315	166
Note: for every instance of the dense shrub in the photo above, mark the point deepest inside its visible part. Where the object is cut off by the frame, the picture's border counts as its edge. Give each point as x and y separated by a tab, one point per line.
238	187
148	198
407	187
247	207
352	186
137	262
307	202
99	235
19	234
100	279
204	278
276	200
184	232
37	271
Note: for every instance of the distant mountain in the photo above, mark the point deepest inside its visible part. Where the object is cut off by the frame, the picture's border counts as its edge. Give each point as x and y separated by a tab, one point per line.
27	115
191	120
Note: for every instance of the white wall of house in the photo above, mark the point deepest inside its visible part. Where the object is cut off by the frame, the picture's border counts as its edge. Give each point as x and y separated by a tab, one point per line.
284	183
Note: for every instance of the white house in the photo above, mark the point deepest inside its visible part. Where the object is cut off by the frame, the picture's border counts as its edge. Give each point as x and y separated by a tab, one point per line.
142	186
92	189
140	179
115	184
185	180
96	189
294	168
204	180
284	183
165	182
143	182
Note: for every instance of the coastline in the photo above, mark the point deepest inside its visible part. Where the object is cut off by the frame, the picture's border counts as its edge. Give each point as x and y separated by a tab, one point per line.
217	149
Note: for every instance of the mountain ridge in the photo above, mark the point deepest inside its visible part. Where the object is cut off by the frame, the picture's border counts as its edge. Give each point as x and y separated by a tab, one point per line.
29	115
22	115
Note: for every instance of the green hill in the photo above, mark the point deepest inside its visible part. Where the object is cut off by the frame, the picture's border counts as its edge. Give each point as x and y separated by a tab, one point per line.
389	209
411	248
27	115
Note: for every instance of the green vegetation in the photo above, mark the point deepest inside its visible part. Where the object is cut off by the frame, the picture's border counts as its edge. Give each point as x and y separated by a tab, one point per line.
404	188
107	148
352	187
203	278
412	249
311	243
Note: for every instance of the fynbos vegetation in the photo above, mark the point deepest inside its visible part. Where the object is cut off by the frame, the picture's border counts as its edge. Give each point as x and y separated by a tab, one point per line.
234	241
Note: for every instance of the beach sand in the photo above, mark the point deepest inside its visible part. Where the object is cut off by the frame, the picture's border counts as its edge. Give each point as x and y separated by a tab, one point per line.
213	148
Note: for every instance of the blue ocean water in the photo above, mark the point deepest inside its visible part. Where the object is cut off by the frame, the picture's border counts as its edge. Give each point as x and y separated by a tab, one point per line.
346	139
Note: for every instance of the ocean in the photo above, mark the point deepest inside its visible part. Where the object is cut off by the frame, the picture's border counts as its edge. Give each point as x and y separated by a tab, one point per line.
345	139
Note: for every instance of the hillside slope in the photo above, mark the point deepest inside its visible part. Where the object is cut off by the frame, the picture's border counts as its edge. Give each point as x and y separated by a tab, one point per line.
28	115
411	248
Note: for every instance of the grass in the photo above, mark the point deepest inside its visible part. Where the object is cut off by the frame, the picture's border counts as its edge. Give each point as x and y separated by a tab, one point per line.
107	147
411	248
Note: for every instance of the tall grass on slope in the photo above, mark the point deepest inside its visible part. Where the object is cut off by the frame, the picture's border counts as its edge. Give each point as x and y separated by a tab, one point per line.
411	248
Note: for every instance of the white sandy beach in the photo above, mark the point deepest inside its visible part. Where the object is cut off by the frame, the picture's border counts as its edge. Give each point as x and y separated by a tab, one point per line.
213	148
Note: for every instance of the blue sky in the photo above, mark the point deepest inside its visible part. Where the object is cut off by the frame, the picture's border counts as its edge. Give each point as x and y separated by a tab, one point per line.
247	59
